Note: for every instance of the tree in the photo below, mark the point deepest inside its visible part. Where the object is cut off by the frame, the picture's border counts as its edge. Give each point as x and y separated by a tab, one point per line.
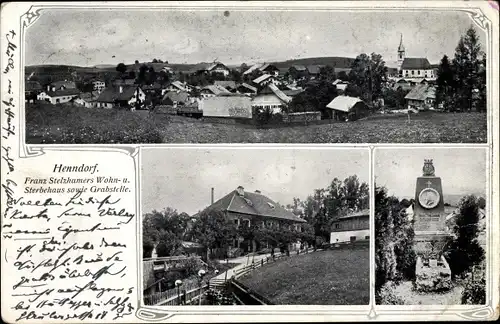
155	60
243	67
213	230
141	78
467	65
464	251
314	98
395	98
369	74
136	62
327	73
445	84
122	68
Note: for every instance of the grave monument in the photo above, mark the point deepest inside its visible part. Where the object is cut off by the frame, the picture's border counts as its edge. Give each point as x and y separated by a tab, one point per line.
432	271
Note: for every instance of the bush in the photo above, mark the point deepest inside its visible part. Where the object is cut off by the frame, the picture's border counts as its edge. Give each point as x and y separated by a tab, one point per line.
475	288
235	252
386	296
192	266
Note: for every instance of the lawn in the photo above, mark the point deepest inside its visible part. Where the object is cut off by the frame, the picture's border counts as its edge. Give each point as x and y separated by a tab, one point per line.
68	124
331	277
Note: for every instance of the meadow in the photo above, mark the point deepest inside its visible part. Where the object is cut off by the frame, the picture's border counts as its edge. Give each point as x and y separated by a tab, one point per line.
68	124
329	277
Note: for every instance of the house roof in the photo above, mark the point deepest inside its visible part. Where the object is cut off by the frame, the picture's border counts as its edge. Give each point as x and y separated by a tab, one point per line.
271	88
89	96
346	70
179	85
32	86
177	96
415	63
299	67
249	87
314	69
216	89
359	213
292	93
343	103
66	84
253	204
128	81
226	84
262	78
63	92
421	92
112	94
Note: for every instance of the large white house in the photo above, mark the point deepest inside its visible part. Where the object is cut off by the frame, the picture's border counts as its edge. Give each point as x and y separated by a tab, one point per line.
58	96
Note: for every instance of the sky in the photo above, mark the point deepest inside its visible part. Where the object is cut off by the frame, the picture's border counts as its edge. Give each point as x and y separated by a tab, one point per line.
182	178
93	37
462	170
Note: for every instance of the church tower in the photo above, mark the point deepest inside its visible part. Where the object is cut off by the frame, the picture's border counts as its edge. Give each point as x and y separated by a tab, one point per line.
401	53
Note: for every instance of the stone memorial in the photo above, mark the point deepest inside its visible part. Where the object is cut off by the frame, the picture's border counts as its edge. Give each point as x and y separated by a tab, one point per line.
432	271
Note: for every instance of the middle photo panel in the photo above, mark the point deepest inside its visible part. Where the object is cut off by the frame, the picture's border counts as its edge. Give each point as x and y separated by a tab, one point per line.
255	226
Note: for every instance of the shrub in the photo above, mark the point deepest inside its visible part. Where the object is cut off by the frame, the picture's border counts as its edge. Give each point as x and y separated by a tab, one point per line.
192	266
386	295
235	252
475	288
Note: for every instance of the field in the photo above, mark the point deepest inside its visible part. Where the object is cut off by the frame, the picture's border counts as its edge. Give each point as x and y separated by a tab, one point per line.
67	124
331	277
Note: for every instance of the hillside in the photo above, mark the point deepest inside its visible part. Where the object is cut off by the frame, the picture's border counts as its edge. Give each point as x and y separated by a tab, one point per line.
335	61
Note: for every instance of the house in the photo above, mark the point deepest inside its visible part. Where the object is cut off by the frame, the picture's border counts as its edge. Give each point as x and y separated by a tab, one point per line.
58	96
121	97
264	80
227	107
87	99
421	97
263	68
209	68
229	85
31	90
213	90
348	108
248	209
298	71
355	226
341	85
61	85
402	84
99	85
123	82
314	69
151	89
176	86
177	97
246	88
271	98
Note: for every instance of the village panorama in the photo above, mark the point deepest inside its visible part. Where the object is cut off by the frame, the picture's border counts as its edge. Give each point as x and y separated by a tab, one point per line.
365	98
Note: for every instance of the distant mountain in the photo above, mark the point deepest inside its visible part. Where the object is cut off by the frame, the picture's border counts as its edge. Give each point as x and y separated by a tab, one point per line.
104	66
335	61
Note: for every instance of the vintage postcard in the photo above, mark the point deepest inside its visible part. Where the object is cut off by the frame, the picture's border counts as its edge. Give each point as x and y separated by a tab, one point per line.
249	161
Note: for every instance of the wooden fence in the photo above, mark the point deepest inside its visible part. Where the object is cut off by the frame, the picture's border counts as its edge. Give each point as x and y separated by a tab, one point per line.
185	295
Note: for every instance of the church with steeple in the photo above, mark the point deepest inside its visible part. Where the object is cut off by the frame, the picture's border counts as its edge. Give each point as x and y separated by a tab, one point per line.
414	68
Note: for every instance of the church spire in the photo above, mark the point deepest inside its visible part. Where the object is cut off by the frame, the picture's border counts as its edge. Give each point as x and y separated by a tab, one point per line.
401	48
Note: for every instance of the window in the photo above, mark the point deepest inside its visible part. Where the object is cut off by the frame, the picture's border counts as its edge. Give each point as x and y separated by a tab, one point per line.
337	226
352	238
412	72
418	72
367	237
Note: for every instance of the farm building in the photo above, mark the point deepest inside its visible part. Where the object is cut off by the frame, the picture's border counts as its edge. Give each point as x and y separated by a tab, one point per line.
245	208
31	90
209	68
341	85
314	69
61	85
99	85
228	85
351	227
176	86
264	80
87	99
227	107
58	96
121	96
271	97
176	97
264	68
422	96
246	88
348	108
213	90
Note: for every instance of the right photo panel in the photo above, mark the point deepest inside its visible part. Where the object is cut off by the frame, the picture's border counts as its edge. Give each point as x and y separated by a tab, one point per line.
430	226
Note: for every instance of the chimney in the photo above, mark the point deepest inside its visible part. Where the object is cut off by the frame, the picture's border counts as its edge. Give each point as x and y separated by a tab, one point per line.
257	191
240	190
212	196
121	89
